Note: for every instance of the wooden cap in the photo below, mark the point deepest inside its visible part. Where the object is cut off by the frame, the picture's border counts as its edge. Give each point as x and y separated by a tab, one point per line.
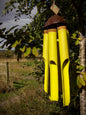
61	27
45	31
51	30
55	19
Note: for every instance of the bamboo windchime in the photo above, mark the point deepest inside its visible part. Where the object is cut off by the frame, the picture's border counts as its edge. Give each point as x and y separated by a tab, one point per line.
56	58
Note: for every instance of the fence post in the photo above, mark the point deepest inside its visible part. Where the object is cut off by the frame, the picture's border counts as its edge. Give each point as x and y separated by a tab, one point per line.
7	64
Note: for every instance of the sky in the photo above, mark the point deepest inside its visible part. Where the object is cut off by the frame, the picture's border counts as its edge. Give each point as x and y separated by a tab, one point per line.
8	19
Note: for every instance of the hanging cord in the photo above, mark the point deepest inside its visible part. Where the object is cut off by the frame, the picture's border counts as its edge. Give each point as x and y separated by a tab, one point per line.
53	1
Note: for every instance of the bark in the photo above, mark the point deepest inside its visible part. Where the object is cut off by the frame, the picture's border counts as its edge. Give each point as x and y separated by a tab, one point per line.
82	51
83	102
82	62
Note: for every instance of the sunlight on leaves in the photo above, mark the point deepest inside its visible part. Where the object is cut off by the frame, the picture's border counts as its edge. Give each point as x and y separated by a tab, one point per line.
16	43
34	51
27	52
80	82
22	49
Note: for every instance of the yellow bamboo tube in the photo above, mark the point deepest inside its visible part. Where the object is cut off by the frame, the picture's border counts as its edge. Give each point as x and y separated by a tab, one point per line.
53	65
46	60
64	58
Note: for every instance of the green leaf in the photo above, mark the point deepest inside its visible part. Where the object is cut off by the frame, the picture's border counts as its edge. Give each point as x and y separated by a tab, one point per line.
31	37
78	72
38	48
7	4
77	61
80	82
22	49
27	52
16	43
79	39
73	36
4	11
76	42
34	51
84	76
30	41
80	67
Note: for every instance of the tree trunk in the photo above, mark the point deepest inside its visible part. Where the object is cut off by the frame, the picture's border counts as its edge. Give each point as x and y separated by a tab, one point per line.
83	102
82	62
82	50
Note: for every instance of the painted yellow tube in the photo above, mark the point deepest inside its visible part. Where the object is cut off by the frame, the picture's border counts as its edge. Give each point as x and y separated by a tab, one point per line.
64	58
53	65
46	60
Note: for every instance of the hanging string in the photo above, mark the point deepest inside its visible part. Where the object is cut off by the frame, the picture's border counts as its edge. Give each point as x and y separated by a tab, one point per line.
53	1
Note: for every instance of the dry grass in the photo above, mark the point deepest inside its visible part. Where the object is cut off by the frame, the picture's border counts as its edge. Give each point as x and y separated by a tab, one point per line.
28	100
17	71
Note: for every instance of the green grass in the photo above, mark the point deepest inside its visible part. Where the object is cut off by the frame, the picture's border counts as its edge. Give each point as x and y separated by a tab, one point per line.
22	68
31	101
18	85
29	63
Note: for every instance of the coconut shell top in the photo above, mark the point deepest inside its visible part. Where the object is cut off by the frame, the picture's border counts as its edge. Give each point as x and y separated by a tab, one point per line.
55	20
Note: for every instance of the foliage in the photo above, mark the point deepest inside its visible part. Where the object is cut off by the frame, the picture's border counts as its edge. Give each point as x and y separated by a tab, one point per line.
31	35
39	71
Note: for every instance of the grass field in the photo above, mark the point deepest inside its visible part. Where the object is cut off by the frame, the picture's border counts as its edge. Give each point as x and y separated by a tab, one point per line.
24	94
